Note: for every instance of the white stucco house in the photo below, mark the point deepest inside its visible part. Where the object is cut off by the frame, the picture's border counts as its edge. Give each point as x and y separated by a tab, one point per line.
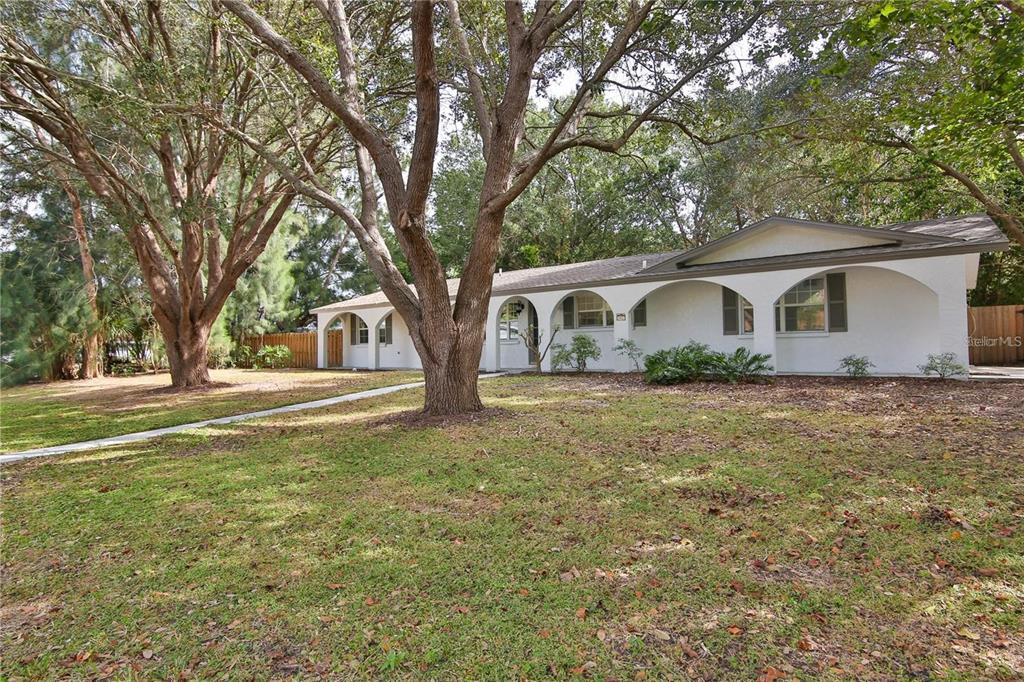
808	293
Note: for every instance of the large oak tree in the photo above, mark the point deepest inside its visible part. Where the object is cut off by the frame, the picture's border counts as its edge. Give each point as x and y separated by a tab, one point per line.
111	91
657	59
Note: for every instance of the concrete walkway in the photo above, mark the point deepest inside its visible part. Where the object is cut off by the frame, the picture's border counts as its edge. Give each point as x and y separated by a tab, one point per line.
156	433
1011	372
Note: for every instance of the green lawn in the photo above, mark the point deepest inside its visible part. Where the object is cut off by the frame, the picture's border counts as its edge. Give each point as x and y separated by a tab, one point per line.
69	411
822	529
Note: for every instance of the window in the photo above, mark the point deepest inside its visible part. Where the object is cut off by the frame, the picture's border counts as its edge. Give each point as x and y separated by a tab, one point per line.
640	314
802	308
593	311
737	313
360	332
508	321
384	331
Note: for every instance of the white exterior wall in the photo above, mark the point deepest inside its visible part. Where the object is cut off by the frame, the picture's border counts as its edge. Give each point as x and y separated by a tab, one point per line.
898	312
891	319
686	311
400	353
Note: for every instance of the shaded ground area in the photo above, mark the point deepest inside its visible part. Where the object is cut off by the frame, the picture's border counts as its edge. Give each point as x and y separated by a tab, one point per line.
588	527
41	415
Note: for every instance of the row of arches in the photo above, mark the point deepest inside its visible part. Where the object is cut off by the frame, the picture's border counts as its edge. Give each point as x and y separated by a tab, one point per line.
355	340
726	312
896	317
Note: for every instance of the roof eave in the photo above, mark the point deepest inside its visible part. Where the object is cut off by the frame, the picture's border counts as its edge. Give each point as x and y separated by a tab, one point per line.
739	268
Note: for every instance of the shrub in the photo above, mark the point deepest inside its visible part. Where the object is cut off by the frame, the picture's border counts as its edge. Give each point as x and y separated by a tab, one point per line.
273	356
679	364
697	361
218	356
559	357
582	349
740	365
944	365
629	348
243	356
856	365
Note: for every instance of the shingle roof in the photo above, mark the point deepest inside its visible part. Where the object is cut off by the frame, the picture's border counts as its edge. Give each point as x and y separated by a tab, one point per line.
962	234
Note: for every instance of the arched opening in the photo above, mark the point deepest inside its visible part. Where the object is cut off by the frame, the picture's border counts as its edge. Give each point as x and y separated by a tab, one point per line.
517	333
587	313
390	334
692	310
867	311
333	338
357	342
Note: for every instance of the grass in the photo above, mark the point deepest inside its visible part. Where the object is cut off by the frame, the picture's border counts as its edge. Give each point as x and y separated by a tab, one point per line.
70	411
590	527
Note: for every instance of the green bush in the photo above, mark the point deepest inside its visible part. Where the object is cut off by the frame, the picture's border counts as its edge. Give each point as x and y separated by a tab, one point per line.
740	365
576	355
218	356
272	356
243	356
679	364
856	365
629	348
697	361
944	365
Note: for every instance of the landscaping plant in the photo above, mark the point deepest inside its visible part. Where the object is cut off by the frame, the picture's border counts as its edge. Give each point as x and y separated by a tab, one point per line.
856	365
697	361
629	348
581	350
679	364
740	365
274	357
945	365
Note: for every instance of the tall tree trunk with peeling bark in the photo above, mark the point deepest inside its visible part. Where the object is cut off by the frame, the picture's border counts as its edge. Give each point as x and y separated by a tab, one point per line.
92	357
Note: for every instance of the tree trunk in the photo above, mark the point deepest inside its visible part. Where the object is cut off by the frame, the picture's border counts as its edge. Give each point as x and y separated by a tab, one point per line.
186	345
451	386
451	364
92	363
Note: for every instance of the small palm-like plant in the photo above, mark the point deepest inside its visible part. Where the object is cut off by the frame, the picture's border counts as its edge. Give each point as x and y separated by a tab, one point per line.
740	365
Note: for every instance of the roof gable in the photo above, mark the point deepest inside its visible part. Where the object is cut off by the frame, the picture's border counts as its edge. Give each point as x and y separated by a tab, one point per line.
777	236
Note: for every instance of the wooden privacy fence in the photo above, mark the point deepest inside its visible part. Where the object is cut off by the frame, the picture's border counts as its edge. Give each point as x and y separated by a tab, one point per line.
303	347
996	334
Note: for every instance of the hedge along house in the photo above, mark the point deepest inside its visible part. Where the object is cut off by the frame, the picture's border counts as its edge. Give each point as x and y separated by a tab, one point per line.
807	293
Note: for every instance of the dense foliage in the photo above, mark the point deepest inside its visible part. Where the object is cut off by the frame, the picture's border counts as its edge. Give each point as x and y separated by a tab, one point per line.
696	361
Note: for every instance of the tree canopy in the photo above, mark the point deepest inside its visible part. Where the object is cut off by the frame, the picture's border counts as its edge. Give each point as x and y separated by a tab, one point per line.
239	164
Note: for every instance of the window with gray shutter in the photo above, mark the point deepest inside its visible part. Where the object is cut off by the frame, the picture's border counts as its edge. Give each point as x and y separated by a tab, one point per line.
640	314
569	313
730	312
837	302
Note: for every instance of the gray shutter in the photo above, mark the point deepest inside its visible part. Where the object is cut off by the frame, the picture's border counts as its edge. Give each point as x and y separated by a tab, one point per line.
836	286
730	312
388	339
569	313
353	329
